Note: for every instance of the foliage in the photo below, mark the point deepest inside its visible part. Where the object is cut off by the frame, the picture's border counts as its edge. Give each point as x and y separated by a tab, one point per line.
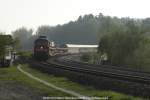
5	40
85	57
90	29
93	58
25	55
118	45
141	58
22	37
125	43
73	32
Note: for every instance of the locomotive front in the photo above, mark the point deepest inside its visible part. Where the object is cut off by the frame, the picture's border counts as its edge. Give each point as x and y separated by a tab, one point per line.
41	48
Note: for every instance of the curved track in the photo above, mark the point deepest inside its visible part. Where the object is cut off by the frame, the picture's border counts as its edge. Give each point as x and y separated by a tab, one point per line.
107	77
96	70
112	72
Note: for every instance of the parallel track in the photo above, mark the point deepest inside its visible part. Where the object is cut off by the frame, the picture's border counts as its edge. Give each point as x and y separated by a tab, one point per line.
111	72
110	77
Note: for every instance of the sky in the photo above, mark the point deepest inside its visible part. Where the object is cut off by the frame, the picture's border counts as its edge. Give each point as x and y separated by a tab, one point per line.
33	13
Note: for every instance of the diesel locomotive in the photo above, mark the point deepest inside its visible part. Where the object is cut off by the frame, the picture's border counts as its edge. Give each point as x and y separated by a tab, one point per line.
43	49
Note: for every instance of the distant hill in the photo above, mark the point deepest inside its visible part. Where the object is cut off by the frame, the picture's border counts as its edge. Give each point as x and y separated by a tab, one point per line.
82	31
87	29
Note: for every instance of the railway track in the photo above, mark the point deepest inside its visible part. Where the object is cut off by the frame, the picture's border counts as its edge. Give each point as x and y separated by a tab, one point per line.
95	70
112	72
138	83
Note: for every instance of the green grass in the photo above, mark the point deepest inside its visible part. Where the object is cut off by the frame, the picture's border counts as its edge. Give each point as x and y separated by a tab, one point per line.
84	90
13	74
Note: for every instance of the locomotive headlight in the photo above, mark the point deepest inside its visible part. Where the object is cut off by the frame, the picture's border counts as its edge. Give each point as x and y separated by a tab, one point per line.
41	47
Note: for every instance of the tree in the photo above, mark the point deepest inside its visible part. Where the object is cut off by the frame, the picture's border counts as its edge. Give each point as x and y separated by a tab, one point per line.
44	30
23	35
120	42
5	40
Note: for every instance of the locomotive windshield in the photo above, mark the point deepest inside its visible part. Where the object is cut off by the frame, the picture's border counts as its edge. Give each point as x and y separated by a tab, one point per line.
41	42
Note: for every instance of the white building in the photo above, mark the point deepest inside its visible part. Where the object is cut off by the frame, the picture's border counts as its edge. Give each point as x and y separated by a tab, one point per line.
75	48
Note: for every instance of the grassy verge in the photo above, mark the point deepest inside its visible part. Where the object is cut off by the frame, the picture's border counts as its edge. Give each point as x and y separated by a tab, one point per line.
12	74
84	90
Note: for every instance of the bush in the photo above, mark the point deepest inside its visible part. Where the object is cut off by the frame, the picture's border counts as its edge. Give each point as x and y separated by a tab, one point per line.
25	55
85	57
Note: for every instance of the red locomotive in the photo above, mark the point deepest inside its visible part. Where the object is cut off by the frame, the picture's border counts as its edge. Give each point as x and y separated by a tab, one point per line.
43	49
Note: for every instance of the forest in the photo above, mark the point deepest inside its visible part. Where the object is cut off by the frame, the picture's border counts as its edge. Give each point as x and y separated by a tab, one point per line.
124	40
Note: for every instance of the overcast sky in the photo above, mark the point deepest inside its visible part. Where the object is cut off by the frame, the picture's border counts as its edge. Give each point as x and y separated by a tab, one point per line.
33	13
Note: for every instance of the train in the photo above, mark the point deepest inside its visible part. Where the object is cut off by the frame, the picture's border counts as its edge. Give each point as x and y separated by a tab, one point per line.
44	49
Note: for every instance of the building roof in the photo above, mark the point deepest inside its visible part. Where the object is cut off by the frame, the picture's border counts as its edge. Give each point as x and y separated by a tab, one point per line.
80	46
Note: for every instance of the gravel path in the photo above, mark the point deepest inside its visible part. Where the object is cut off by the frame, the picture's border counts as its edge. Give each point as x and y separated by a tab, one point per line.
52	85
12	90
